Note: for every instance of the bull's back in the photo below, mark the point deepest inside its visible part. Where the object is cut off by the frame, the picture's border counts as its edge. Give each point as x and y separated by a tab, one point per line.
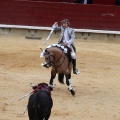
39	105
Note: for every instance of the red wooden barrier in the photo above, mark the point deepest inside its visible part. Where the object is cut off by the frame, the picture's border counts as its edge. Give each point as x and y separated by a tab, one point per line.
34	13
69	1
104	2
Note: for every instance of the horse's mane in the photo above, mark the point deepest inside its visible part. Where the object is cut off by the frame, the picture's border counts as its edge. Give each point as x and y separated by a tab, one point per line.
66	50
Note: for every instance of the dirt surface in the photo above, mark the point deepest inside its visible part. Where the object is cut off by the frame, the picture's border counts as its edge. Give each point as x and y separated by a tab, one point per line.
97	87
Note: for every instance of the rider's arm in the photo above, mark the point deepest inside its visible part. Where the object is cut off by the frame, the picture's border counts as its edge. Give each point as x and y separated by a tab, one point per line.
56	27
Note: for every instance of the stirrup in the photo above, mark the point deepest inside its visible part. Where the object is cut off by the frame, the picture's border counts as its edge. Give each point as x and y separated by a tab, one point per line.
76	71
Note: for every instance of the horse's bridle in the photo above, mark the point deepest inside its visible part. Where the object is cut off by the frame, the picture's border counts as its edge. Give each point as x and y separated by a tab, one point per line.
51	63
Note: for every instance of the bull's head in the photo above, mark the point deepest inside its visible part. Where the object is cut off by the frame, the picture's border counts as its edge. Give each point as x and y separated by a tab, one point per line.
43	86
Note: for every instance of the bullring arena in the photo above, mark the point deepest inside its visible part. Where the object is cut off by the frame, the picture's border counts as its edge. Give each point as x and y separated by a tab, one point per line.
97	87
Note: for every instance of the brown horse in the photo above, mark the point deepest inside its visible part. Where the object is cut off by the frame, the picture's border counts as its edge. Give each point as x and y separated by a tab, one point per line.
61	64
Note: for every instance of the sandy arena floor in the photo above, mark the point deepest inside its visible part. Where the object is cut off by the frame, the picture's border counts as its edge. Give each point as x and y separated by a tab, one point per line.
97	87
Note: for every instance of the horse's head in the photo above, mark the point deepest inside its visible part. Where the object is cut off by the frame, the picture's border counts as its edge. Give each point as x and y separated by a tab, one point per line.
49	58
53	55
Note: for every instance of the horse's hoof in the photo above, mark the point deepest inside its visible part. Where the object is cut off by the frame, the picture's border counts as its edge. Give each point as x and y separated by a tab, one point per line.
72	92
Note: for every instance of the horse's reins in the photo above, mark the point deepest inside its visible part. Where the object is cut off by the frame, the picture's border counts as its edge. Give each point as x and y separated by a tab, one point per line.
59	59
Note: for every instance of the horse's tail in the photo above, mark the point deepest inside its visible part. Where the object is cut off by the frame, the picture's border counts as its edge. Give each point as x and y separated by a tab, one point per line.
61	78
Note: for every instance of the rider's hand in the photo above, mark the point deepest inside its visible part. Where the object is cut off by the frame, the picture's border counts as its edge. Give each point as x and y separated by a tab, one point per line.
55	25
65	43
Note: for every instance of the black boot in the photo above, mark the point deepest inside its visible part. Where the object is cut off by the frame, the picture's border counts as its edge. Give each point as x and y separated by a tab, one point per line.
75	71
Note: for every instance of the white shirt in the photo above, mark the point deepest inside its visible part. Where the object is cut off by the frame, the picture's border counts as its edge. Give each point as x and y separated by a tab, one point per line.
66	36
85	1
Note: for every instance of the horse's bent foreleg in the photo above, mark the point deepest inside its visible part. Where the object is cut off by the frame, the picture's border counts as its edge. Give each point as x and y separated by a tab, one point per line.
68	82
53	75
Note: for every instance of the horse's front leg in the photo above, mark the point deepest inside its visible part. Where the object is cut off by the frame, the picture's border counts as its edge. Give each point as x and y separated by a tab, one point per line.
53	75
68	82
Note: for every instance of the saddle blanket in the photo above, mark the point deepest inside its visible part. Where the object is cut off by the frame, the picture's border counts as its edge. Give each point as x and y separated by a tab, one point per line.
54	45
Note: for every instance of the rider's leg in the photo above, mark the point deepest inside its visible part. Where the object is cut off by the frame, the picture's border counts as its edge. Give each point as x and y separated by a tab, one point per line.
75	71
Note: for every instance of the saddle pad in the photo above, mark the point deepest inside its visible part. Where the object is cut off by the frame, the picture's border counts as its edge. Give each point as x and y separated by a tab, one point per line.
54	45
58	45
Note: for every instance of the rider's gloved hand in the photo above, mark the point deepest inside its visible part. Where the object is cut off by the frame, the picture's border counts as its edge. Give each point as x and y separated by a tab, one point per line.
55	25
65	43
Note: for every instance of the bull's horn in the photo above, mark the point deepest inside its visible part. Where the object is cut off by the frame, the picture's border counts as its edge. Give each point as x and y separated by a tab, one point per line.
52	86
32	85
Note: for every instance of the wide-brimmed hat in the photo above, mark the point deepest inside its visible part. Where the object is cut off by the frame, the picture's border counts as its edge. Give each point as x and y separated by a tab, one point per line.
65	21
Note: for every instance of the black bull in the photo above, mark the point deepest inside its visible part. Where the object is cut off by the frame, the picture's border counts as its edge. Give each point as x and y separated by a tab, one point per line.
40	104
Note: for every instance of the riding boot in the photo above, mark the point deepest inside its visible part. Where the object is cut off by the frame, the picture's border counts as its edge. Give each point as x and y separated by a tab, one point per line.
75	71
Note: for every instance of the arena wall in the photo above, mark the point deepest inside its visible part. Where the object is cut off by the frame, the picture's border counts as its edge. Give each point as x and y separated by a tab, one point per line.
89	21
36	13
42	34
105	2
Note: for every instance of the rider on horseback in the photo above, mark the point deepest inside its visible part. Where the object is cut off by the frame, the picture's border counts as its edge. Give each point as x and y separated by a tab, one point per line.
67	39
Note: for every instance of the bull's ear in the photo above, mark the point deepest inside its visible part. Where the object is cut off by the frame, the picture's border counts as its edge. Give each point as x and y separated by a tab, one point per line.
51	89
34	87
